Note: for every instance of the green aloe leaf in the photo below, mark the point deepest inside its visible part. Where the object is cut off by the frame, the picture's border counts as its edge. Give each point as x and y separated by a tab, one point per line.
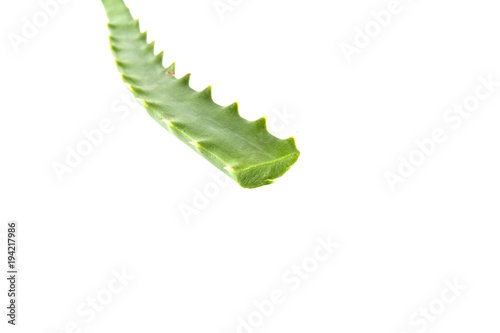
242	149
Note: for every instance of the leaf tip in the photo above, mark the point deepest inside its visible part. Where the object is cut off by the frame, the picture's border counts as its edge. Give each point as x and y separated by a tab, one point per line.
143	102
170	70
195	144
143	36
185	79
129	87
292	140
234	108
261	122
207	92
168	122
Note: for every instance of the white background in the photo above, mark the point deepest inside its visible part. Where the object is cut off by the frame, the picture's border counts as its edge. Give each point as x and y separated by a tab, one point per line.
120	208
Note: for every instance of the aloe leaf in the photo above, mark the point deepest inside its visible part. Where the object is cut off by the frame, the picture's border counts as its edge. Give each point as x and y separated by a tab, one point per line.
242	149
